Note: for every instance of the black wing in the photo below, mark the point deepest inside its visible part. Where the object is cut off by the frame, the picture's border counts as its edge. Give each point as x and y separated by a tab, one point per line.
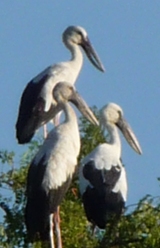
99	200
40	204
31	114
101	179
36	210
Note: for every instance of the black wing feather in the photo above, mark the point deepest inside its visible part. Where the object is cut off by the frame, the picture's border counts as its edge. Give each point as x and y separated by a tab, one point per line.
40	204
101	178
99	200
37	207
26	121
31	114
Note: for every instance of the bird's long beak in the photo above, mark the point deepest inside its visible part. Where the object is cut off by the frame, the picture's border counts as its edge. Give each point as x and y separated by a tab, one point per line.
129	135
92	55
82	106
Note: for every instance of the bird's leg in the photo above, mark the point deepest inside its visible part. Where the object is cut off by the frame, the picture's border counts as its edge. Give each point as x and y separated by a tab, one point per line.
93	229
51	233
56	120
56	218
45	133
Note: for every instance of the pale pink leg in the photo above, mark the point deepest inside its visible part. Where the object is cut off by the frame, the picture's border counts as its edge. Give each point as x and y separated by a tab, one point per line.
51	233
45	133
56	218
56	120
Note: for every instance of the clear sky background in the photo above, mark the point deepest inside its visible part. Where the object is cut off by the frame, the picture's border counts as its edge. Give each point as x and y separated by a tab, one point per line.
126	35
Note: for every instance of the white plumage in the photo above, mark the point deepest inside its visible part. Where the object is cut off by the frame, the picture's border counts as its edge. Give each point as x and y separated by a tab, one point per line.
103	183
38	105
52	168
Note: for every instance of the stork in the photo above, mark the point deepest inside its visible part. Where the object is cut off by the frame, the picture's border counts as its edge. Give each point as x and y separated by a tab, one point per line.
102	177
37	105
52	168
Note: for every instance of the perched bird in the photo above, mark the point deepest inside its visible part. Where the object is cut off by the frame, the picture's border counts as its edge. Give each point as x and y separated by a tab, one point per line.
37	105
102	177
52	168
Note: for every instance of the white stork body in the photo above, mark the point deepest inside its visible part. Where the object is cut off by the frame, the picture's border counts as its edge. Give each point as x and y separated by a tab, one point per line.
59	152
103	183
64	71
52	168
37	104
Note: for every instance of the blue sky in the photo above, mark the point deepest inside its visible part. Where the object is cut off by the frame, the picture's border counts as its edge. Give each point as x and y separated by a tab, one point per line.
126	35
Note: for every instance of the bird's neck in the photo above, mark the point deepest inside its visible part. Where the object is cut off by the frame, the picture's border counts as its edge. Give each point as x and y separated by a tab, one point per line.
72	126
76	56
113	136
70	116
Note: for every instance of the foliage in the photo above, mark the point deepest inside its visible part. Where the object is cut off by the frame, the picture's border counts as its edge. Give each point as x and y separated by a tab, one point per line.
137	228
74	222
6	157
12	183
91	135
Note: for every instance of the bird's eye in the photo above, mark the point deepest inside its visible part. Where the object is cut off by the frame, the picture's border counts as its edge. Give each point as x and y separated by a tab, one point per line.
80	33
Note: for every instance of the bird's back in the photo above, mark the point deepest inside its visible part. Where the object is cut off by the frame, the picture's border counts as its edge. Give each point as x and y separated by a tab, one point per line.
103	185
37	105
49	177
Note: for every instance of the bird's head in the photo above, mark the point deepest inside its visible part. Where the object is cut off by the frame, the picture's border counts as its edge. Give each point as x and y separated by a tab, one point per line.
76	35
64	92
112	114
